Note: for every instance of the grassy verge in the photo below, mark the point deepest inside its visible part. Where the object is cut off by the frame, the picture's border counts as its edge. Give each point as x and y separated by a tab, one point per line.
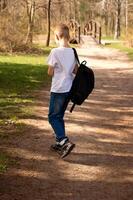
123	48
107	37
20	77
4	161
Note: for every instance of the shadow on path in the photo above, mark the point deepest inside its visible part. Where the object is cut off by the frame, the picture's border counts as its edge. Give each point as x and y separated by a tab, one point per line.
100	168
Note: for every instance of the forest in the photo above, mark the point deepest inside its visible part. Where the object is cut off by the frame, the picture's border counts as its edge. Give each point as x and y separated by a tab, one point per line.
22	20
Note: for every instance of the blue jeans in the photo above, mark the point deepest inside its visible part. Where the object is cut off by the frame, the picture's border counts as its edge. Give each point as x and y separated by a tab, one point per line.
57	107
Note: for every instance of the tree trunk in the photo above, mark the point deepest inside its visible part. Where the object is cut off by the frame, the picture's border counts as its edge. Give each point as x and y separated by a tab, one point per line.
31	16
3	4
118	21
106	24
126	17
48	22
70	10
29	38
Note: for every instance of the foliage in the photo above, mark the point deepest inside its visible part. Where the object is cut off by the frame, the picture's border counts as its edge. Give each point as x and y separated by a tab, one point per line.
129	37
13	26
18	22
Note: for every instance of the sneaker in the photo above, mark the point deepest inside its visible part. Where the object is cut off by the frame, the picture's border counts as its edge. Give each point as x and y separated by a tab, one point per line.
56	147
67	148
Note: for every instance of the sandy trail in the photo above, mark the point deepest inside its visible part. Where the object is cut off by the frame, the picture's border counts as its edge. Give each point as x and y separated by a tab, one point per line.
101	165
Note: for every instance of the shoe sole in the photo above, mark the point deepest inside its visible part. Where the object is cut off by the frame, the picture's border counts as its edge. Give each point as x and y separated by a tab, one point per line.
69	151
55	150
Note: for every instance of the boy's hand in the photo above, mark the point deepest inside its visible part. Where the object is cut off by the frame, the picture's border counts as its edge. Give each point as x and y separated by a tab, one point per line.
50	71
75	69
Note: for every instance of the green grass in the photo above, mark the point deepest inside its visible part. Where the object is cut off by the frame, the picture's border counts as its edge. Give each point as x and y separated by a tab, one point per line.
123	48
46	49
107	38
4	161
20	76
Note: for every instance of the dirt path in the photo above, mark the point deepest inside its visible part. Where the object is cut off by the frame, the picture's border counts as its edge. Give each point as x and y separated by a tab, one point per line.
101	166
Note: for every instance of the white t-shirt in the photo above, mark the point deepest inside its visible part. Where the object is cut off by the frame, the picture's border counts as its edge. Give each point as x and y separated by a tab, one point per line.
63	61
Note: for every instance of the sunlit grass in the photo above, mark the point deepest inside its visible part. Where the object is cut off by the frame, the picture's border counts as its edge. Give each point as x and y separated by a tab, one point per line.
123	48
20	77
107	38
3	162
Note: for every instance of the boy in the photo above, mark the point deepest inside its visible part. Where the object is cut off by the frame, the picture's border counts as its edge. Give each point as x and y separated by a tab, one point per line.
62	67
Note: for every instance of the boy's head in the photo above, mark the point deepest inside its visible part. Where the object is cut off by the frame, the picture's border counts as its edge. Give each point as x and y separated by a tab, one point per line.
62	32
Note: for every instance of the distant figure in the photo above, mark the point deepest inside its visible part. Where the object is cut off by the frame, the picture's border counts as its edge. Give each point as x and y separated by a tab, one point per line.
62	67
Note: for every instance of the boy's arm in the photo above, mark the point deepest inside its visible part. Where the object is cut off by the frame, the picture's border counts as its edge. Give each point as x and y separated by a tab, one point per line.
50	70
75	69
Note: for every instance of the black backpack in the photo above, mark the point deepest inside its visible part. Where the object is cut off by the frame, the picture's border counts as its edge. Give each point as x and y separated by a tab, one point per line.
83	83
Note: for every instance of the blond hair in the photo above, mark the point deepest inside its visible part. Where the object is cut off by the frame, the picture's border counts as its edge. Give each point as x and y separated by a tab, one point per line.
62	31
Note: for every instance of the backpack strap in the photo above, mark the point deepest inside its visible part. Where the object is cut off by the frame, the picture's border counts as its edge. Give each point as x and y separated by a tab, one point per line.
76	55
77	58
72	107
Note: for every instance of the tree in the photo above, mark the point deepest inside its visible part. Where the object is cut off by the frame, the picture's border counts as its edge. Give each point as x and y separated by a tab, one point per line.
128	10
118	19
3	4
48	22
30	6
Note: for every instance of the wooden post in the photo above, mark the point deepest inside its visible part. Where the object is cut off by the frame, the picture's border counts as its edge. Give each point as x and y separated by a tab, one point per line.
79	34
74	29
100	35
95	30
91	28
84	31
